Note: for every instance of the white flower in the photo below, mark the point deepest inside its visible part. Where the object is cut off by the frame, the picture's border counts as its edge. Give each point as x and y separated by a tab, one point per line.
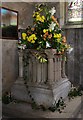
47	45
52	25
22	46
52	11
19	46
19	41
69	50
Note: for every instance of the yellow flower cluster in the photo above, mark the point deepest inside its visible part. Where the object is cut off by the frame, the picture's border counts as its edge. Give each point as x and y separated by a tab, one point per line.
35	13
32	38
38	17
24	35
45	30
57	35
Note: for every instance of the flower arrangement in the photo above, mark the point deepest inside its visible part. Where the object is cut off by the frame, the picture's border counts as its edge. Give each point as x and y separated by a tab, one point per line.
45	32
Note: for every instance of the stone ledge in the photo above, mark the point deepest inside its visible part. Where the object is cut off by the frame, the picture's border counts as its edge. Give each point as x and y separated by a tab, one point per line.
72	26
24	110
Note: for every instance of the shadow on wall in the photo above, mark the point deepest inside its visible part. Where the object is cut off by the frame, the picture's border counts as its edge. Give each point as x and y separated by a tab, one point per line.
9	64
10	31
75	59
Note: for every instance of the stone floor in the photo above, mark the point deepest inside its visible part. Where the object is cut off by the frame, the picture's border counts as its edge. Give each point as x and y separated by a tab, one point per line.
0	109
80	114
24	110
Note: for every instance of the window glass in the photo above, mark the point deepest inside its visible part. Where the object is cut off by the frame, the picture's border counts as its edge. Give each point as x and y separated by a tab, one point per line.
75	11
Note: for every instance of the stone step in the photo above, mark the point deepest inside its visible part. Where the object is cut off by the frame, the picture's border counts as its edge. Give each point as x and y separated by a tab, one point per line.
24	110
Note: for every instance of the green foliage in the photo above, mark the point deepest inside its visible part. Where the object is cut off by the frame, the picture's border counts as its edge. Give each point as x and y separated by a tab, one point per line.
58	106
75	92
6	98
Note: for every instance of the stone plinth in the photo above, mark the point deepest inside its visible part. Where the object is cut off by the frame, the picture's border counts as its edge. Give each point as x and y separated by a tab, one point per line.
46	80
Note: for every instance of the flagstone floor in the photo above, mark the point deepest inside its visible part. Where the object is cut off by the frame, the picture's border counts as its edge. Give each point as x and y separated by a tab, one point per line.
23	110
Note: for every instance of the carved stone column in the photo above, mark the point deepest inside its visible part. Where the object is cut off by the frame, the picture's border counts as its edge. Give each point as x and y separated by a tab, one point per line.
20	52
50	55
63	68
58	67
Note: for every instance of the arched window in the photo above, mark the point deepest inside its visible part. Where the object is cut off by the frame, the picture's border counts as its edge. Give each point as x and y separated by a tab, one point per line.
75	11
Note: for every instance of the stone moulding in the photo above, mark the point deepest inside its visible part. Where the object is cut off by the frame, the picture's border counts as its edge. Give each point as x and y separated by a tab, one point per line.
47	81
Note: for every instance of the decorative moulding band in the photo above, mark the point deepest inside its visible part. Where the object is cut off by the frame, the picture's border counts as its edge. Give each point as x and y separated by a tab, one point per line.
72	26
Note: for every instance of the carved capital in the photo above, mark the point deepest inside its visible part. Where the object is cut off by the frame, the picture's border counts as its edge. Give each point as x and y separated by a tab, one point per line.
50	53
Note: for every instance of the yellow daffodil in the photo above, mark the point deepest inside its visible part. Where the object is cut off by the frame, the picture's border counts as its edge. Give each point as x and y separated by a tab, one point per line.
35	13
32	41
24	35
57	35
40	18
43	17
29	40
32	38
45	30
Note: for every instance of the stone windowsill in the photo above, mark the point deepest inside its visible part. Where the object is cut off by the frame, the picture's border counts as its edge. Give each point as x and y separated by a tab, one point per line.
67	26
